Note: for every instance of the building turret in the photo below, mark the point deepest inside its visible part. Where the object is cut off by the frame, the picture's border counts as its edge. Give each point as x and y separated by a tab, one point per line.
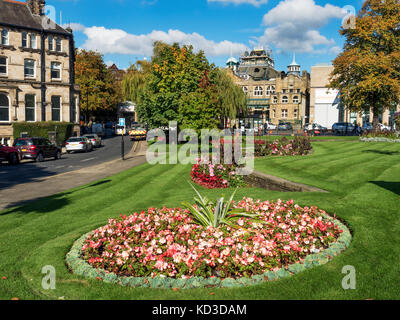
232	64
294	68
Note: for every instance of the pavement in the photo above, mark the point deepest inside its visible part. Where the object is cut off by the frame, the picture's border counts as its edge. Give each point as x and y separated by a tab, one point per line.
23	193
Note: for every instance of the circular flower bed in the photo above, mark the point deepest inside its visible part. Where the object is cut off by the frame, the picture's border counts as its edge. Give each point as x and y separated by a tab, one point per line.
165	248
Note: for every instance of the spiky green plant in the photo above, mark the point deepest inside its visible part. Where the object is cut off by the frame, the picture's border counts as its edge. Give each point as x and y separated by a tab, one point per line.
208	213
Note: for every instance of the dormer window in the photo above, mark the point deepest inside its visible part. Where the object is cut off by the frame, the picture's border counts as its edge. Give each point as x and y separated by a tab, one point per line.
5	37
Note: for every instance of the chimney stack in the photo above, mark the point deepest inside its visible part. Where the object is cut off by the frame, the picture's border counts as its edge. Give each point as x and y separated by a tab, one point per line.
36	6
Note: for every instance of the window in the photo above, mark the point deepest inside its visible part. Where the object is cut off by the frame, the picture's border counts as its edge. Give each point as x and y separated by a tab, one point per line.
295	113
245	90
29	68
4	108
285	99
33	39
295	99
4	37
3	65
55	70
30	107
56	108
258	91
58	45
51	43
284	113
273	113
284	90
270	90
275	99
24	43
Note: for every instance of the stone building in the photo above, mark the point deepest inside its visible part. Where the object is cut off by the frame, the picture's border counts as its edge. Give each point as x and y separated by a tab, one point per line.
326	107
273	96
37	77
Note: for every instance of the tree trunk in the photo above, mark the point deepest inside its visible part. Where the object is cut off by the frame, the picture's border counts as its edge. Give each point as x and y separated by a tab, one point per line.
375	119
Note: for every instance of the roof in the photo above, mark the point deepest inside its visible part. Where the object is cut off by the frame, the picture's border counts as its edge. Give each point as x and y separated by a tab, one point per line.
231	60
17	13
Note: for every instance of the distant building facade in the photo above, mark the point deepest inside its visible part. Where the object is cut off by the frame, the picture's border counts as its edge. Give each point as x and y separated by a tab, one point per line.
37	75
326	107
273	96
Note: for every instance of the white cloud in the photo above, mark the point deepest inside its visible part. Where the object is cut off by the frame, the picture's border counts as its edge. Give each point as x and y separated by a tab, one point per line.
112	41
293	25
256	3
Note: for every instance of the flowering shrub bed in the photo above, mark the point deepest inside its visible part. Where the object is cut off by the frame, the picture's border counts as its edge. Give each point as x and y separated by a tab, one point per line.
213	176
299	146
380	136
164	248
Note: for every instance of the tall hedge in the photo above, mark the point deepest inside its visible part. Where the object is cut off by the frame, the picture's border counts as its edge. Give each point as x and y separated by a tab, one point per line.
41	129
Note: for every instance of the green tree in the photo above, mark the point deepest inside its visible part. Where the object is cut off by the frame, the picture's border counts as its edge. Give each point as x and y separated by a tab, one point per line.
99	90
134	81
173	89
232	99
367	72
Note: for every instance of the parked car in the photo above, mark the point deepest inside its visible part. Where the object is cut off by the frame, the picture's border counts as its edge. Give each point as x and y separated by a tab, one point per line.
37	148
315	129
269	126
343	128
10	154
138	133
94	139
78	144
285	126
367	127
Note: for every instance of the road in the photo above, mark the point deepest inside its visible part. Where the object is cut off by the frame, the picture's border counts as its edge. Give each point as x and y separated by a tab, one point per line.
29	170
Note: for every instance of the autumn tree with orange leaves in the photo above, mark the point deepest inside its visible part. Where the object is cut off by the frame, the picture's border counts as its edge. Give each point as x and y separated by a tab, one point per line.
367	72
100	92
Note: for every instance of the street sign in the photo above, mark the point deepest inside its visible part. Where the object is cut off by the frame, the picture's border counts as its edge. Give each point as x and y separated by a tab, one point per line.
122	122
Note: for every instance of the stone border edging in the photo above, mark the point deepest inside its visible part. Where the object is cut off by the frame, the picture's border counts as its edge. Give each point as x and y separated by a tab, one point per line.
266	181
80	267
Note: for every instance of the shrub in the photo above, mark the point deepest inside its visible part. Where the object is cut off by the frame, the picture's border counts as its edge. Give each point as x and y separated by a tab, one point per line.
41	129
284	147
381	134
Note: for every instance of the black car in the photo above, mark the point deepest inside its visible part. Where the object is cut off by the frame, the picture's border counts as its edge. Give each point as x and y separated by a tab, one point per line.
343	128
37	149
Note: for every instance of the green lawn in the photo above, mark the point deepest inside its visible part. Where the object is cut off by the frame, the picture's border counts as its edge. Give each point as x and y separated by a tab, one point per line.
363	180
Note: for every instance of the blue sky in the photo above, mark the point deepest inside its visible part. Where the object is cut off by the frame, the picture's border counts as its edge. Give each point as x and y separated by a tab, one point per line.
123	30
